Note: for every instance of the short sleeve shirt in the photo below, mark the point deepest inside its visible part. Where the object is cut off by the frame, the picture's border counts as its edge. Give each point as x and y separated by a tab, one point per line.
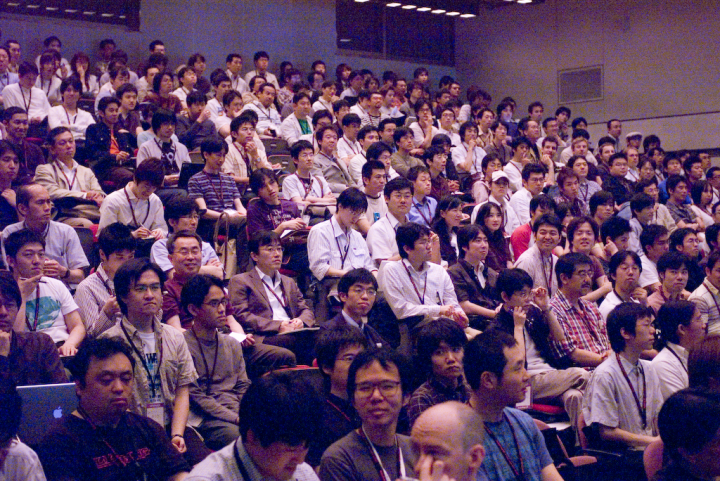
51	306
218	190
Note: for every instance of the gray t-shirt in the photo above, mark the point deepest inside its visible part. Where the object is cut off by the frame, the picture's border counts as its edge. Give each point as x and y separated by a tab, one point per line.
350	459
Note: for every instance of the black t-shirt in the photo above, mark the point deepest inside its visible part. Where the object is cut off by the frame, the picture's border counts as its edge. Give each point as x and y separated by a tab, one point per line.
73	450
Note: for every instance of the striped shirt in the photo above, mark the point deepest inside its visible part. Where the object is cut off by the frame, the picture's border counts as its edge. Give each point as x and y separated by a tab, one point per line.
91	295
218	190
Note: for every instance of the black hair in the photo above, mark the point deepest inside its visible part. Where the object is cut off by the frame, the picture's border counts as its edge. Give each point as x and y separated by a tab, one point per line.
408	234
711	231
116	237
486	353
362	133
196	97
568	263
397	184
281	407
386	357
129	273
651	234
670	316
689	420
510	281
624	316
415	172
151	171
370	165
712	260
401	132
26	68
260	177
100	349
620	257
105	102
72	81
465	235
179	207
613	228
9	289
672	260
10	112
356	276
673	181
518	141
244	118
55	133
464	128
18	239
530	169
577	222
432	335
182	234
321	132
487	159
321	114
601	197
641	201
548	219
331	341
352	198
262	238
197	288
163	116
677	238
298	147
376	150
697	189
351	119
339	104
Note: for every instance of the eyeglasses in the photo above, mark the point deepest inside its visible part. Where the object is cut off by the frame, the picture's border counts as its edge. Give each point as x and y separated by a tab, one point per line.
143	288
386	388
215	303
359	291
190	217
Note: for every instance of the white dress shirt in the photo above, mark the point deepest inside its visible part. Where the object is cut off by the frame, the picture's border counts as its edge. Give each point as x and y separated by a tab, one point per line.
268	118
459	155
237	82
328	244
520	202
347	149
33	101
273	291
381	238
77	123
513	170
671	366
148	213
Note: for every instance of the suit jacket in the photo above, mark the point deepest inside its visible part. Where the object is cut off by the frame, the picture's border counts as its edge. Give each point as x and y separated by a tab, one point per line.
373	337
97	148
51	177
335	172
468	288
252	306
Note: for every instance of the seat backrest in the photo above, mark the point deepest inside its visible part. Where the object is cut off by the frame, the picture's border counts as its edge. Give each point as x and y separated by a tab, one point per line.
653	458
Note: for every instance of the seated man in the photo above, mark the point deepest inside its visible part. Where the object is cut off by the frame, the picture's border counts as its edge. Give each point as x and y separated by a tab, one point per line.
171	153
336	349
221	84
194	128
423	206
83	191
182	214
474	281
526	314
95	296
303	187
268	303
271	212
403	160
367	136
533	180
623	395
162	389
616	183
137	206
269	121
376	173
586	341
625	269
47	305
15	123
682	214
522	238
539	260
495	370
642	208
298	122
417	290
78	447
381	236
707	295
440	351
327	165
654	242
280	417
244	155
357	291
682	329
108	146
685	240
128	117
215	398
672	269
356	456
232	105
26	358
36	105
569	191
348	145
65	259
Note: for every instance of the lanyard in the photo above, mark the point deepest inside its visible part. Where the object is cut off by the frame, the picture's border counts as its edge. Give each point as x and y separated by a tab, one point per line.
241	466
34	326
62	171
220	195
547	277
417	291
717	306
282	300
419	207
267	114
642	408
29	102
304	185
350	146
519	474
678	358
210	374
132	211
5	82
347	248
118	459
342	413
105	283
42	84
67	114
151	381
243	156
378	462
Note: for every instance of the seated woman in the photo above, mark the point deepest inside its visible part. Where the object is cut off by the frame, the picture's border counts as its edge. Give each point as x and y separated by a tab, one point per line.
565	214
448	217
80	68
490	219
701	193
161	94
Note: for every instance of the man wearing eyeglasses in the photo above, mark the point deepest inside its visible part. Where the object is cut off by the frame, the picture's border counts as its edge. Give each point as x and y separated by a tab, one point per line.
376	383
164	368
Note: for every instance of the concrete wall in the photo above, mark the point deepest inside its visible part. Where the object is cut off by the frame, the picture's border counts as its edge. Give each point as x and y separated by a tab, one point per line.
300	31
659	56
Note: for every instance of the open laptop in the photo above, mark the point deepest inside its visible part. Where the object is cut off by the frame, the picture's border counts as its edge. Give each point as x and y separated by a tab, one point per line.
187	170
41	405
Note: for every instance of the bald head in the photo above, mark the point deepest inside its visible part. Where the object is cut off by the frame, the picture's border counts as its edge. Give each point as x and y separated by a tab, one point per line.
453	432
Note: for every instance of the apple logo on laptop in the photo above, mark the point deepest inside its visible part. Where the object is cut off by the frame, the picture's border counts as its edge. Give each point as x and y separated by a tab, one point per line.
57	413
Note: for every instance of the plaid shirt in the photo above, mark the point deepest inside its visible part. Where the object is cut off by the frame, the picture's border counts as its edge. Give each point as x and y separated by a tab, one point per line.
433	392
584	328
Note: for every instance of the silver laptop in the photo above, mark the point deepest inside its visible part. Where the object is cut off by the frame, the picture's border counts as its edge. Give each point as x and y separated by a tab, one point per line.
41	406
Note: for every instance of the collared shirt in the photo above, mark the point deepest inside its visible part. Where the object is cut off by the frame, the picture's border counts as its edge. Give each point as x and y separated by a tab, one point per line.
91	295
421	293
62	244
433	392
159	254
460	153
323	251
77	123
422	212
273	291
520	202
671	366
237	82
541	268
296	186
586	189
584	327
609	401
223	465
176	369
381	238
707	298
611	301
148	213
70	173
681	212
347	148
268	118
33	101
514	169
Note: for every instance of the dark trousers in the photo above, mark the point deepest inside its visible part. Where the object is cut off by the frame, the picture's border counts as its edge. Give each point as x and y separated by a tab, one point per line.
218	434
262	358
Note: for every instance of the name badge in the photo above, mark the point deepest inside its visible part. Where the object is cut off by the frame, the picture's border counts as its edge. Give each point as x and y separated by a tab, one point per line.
156	412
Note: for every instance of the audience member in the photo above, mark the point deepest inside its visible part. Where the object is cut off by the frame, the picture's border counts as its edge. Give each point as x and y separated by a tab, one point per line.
654	243
381	236
673	276
302	187
707	295
108	145
15	123
9	167
196	127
